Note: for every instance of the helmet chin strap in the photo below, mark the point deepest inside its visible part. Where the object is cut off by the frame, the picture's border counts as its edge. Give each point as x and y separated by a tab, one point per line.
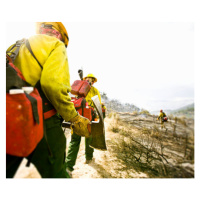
91	83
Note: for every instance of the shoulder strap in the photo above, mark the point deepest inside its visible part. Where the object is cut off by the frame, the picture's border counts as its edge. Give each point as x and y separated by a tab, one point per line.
29	48
16	52
47	106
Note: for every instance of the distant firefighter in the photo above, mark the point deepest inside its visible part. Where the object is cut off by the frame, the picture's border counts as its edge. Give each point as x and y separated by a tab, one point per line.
103	110
163	118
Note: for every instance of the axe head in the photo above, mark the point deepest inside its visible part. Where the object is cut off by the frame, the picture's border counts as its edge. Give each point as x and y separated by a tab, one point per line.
97	128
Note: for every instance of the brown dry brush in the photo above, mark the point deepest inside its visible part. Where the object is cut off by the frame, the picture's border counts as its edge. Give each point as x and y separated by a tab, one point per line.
141	154
146	152
188	151
186	139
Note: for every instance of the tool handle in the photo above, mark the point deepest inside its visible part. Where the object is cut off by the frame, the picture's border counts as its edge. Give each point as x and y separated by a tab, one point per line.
80	72
66	125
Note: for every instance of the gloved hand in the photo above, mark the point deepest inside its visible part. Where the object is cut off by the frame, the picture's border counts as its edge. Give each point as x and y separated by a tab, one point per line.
81	126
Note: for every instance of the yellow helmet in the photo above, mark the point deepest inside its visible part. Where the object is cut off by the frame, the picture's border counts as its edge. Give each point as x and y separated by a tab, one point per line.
91	76
57	26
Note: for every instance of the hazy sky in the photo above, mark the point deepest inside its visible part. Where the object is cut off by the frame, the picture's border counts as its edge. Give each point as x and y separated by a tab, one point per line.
149	64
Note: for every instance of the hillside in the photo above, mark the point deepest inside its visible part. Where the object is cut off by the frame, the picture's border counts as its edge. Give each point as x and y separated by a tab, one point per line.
187	111
116	106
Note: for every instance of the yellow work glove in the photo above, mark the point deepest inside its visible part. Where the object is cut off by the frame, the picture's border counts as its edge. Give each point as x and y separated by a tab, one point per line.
81	126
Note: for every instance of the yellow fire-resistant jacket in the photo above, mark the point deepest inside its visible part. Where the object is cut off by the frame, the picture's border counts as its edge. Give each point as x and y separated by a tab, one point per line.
161	115
104	107
93	91
55	77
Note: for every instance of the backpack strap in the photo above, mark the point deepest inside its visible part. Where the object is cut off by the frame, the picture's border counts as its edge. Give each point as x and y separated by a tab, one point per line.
29	48
18	44
48	108
15	53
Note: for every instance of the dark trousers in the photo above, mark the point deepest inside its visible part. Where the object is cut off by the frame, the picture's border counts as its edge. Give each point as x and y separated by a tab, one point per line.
49	164
73	149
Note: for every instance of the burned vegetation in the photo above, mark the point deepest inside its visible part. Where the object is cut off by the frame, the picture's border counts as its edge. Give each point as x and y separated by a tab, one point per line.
141	143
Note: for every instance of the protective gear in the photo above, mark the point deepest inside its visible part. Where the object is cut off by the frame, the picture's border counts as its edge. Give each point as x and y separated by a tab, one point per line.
76	139
103	110
49	155
81	125
51	32
162	114
91	76
53	25
54	78
165	119
48	165
93	91
103	106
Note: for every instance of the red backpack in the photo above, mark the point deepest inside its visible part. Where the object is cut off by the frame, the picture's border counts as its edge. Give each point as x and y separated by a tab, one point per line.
24	111
82	107
81	89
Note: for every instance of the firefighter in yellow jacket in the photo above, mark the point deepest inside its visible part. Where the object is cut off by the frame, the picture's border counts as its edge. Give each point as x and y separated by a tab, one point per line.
76	139
103	109
163	118
49	71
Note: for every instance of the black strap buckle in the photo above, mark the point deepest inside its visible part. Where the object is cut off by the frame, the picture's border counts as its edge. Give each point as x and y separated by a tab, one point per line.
20	42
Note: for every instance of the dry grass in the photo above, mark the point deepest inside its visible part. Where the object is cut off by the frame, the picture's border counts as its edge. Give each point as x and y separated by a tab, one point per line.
135	112
114	125
152	150
145	112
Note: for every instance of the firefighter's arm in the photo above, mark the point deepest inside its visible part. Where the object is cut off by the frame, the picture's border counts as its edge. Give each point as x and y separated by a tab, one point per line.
98	93
55	82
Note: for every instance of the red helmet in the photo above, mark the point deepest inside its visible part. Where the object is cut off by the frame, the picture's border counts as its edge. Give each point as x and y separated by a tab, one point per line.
161	110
